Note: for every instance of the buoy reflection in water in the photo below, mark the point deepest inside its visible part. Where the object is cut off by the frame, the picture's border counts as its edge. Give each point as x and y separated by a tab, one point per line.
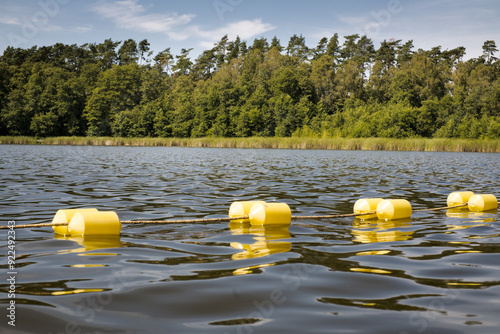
268	240
381	230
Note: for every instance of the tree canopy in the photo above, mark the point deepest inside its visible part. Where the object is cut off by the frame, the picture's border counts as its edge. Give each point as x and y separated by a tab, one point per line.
344	88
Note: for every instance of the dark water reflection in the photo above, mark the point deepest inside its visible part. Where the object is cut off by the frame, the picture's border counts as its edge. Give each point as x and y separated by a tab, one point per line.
436	273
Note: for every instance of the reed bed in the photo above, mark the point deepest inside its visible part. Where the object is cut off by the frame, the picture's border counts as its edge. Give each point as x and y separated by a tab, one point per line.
373	144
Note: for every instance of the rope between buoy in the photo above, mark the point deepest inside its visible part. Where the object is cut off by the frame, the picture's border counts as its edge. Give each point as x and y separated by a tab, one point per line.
443	208
183	221
336	216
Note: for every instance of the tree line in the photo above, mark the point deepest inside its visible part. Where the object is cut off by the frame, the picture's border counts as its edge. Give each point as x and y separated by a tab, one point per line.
336	89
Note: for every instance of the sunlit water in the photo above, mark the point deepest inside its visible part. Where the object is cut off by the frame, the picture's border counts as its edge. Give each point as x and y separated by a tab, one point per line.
436	273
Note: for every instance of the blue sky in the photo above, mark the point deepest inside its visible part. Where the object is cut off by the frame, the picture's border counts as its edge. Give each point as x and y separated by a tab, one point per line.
199	24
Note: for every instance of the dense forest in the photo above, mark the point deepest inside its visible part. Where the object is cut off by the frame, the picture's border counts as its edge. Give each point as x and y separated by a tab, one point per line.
336	89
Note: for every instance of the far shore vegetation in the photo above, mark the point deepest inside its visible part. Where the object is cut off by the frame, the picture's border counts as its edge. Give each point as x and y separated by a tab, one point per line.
343	93
372	144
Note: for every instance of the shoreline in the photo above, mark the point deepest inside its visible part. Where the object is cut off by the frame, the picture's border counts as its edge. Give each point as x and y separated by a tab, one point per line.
364	144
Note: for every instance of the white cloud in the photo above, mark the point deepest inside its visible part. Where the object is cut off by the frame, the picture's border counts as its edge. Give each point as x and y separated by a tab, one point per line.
354	21
245	29
128	14
10	20
40	23
50	28
83	29
207	44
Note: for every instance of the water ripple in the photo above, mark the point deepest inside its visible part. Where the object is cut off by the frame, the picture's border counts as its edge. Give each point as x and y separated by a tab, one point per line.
437	272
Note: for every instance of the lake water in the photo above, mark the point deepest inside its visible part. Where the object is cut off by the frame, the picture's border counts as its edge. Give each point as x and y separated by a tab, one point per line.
436	273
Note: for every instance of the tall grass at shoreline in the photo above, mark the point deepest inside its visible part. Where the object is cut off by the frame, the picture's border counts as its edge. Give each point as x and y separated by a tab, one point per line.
374	144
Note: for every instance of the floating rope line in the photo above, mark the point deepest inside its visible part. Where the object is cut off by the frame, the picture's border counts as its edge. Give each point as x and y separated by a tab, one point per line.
183	221
211	220
335	216
374	212
443	208
3	227
215	220
225	219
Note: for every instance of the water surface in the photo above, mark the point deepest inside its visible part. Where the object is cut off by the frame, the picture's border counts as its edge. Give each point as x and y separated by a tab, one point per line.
436	273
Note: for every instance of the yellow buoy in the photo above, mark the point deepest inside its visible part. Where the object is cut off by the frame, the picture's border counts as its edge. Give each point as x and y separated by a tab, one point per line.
479	203
270	214
95	223
367	205
64	216
239	209
394	209
460	197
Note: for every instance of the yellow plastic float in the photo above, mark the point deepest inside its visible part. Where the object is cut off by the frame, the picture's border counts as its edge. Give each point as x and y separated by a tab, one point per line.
392	209
87	222
458	198
239	209
65	216
95	223
366	205
480	203
270	214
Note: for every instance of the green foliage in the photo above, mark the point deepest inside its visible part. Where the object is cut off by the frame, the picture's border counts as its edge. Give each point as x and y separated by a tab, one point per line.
184	63
128	52
117	91
340	88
